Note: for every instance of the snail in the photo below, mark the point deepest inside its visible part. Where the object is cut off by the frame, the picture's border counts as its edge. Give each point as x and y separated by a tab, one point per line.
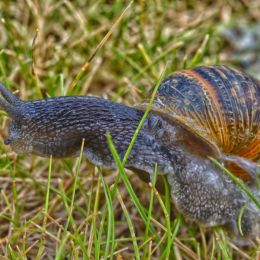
208	111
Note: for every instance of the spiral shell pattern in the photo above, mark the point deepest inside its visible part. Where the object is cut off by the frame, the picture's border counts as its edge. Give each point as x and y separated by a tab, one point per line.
217	103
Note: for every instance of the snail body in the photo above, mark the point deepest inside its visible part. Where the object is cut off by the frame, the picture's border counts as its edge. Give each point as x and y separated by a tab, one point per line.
207	111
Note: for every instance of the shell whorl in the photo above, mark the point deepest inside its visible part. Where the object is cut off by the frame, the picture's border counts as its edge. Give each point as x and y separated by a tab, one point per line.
217	103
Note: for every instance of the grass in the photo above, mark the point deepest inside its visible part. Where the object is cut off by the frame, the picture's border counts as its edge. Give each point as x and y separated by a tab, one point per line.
70	208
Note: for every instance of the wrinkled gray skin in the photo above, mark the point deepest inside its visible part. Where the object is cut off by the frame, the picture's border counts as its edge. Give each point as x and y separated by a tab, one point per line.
56	126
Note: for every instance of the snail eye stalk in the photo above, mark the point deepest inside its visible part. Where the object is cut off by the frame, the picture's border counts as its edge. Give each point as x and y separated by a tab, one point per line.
8	101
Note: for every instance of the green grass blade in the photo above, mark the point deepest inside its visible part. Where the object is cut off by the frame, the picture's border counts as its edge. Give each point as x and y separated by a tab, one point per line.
47	199
127	183
130	226
110	243
97	238
149	211
222	243
167	250
70	219
147	111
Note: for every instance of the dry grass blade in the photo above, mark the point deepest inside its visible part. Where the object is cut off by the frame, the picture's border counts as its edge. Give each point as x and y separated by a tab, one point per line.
99	46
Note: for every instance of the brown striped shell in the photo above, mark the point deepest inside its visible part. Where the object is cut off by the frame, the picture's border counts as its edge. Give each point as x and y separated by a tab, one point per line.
217	103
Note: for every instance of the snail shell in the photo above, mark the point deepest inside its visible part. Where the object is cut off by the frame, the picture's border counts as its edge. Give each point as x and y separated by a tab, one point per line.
218	104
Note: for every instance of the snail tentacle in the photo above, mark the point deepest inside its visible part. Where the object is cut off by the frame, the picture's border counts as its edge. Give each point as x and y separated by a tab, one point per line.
9	102
9	108
8	95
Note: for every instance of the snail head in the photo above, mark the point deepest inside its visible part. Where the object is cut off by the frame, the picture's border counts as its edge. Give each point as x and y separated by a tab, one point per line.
41	127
